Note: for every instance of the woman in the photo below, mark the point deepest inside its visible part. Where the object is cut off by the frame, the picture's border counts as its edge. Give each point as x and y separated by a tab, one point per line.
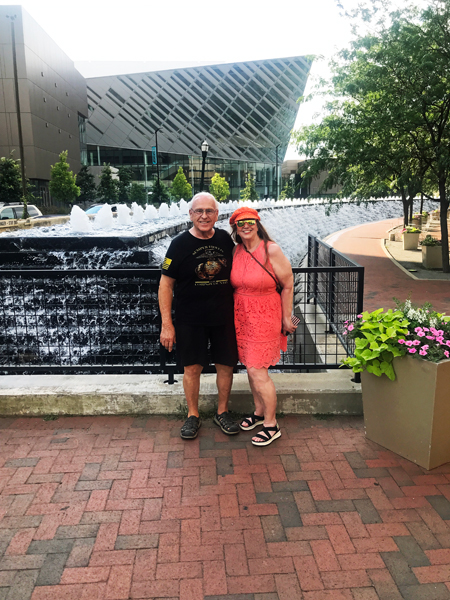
262	315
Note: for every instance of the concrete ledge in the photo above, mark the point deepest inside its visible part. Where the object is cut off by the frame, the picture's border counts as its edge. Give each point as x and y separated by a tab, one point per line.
332	392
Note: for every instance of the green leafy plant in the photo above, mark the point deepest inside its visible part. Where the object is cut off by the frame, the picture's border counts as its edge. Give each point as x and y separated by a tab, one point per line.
219	188
376	336
63	187
429	240
181	188
249	192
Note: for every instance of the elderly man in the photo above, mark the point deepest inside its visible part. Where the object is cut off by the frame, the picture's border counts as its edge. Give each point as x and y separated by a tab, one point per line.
197	268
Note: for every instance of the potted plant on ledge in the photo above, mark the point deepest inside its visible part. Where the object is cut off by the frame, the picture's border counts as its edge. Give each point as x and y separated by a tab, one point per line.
404	357
410	237
431	252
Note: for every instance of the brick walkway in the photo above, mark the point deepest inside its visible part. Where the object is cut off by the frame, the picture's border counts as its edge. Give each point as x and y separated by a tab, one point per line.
119	507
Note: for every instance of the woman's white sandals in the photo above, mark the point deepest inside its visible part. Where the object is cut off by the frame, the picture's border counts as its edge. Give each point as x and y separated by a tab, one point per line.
265	437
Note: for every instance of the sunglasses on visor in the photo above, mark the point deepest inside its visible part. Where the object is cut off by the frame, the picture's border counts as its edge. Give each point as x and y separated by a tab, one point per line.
243	222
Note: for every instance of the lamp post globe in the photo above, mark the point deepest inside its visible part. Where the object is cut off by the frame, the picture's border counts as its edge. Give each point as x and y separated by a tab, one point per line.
205	148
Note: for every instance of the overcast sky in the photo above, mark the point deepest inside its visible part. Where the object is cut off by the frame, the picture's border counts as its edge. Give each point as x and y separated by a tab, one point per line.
102	37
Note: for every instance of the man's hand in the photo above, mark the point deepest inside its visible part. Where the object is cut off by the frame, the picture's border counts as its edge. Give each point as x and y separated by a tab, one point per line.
165	294
167	337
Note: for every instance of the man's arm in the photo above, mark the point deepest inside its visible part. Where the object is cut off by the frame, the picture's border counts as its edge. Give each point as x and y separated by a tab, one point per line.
165	297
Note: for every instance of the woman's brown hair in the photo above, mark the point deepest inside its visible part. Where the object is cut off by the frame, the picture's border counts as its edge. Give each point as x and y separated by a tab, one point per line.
262	234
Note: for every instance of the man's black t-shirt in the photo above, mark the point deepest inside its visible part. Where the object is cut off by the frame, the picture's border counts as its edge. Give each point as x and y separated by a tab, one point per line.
201	268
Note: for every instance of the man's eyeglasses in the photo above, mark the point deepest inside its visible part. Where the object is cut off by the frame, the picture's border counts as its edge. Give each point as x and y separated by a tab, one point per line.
248	221
200	211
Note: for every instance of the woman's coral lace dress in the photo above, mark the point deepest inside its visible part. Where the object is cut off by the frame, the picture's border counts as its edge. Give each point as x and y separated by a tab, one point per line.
257	310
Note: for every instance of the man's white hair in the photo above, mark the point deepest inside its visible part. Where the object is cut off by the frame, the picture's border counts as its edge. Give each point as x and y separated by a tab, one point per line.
203	195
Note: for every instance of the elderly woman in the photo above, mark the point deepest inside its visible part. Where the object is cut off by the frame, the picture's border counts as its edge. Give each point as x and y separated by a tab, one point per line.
263	289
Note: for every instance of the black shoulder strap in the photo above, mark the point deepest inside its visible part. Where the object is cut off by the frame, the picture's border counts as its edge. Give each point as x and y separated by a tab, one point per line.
277	283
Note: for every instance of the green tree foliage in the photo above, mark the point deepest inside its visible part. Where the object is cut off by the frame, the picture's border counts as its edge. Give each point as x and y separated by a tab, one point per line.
108	187
219	188
138	194
125	179
63	185
10	180
388	128
160	193
288	190
181	188
249	192
86	183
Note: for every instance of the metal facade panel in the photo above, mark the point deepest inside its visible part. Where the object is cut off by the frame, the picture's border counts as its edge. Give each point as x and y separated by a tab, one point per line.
244	110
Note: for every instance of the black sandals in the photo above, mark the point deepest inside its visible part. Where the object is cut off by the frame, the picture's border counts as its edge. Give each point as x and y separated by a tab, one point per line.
189	431
226	423
252	422
265	437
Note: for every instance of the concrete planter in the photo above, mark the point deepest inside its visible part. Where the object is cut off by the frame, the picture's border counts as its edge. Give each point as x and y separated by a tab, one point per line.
417	222
410	241
411	415
432	257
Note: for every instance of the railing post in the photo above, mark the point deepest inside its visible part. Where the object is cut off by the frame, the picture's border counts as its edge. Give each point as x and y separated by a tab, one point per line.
315	264
331	299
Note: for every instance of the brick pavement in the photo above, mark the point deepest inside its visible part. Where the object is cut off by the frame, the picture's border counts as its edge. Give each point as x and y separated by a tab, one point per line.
121	507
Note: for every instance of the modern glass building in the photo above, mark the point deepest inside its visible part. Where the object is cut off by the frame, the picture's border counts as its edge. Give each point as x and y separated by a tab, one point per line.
245	111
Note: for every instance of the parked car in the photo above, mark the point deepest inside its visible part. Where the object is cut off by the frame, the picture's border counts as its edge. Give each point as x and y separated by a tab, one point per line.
12	210
93	210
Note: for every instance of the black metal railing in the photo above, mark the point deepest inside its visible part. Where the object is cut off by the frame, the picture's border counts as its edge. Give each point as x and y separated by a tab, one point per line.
107	321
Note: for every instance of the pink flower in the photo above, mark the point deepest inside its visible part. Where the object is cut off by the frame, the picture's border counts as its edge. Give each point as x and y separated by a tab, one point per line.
447	353
401	341
412	350
447	343
425	347
409	343
350	327
344	332
420	333
416	343
359	316
440	332
425	328
423	352
417	329
440	340
430	337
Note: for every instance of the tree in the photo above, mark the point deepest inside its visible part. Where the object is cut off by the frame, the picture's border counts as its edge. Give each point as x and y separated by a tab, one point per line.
159	193
125	179
288	191
219	188
249	192
181	188
138	194
10	180
107	189
389	122
63	185
86	183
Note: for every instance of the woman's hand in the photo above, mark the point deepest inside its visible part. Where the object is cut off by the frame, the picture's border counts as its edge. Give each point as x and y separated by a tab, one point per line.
288	326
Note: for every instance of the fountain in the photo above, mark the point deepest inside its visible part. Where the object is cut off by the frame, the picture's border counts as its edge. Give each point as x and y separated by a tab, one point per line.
140	237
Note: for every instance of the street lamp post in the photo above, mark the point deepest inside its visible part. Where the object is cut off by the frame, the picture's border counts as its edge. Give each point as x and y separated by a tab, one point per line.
157	164
205	148
19	116
276	170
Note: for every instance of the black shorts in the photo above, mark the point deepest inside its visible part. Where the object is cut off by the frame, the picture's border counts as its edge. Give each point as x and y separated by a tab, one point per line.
193	340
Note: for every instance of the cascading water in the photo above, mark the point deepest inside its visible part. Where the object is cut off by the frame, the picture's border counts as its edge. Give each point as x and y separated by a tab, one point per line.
48	335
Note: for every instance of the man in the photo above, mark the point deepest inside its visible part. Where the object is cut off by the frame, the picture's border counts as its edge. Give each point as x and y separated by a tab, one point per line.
197	268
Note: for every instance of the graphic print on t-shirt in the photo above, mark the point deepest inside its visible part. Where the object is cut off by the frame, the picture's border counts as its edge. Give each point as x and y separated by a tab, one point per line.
213	263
